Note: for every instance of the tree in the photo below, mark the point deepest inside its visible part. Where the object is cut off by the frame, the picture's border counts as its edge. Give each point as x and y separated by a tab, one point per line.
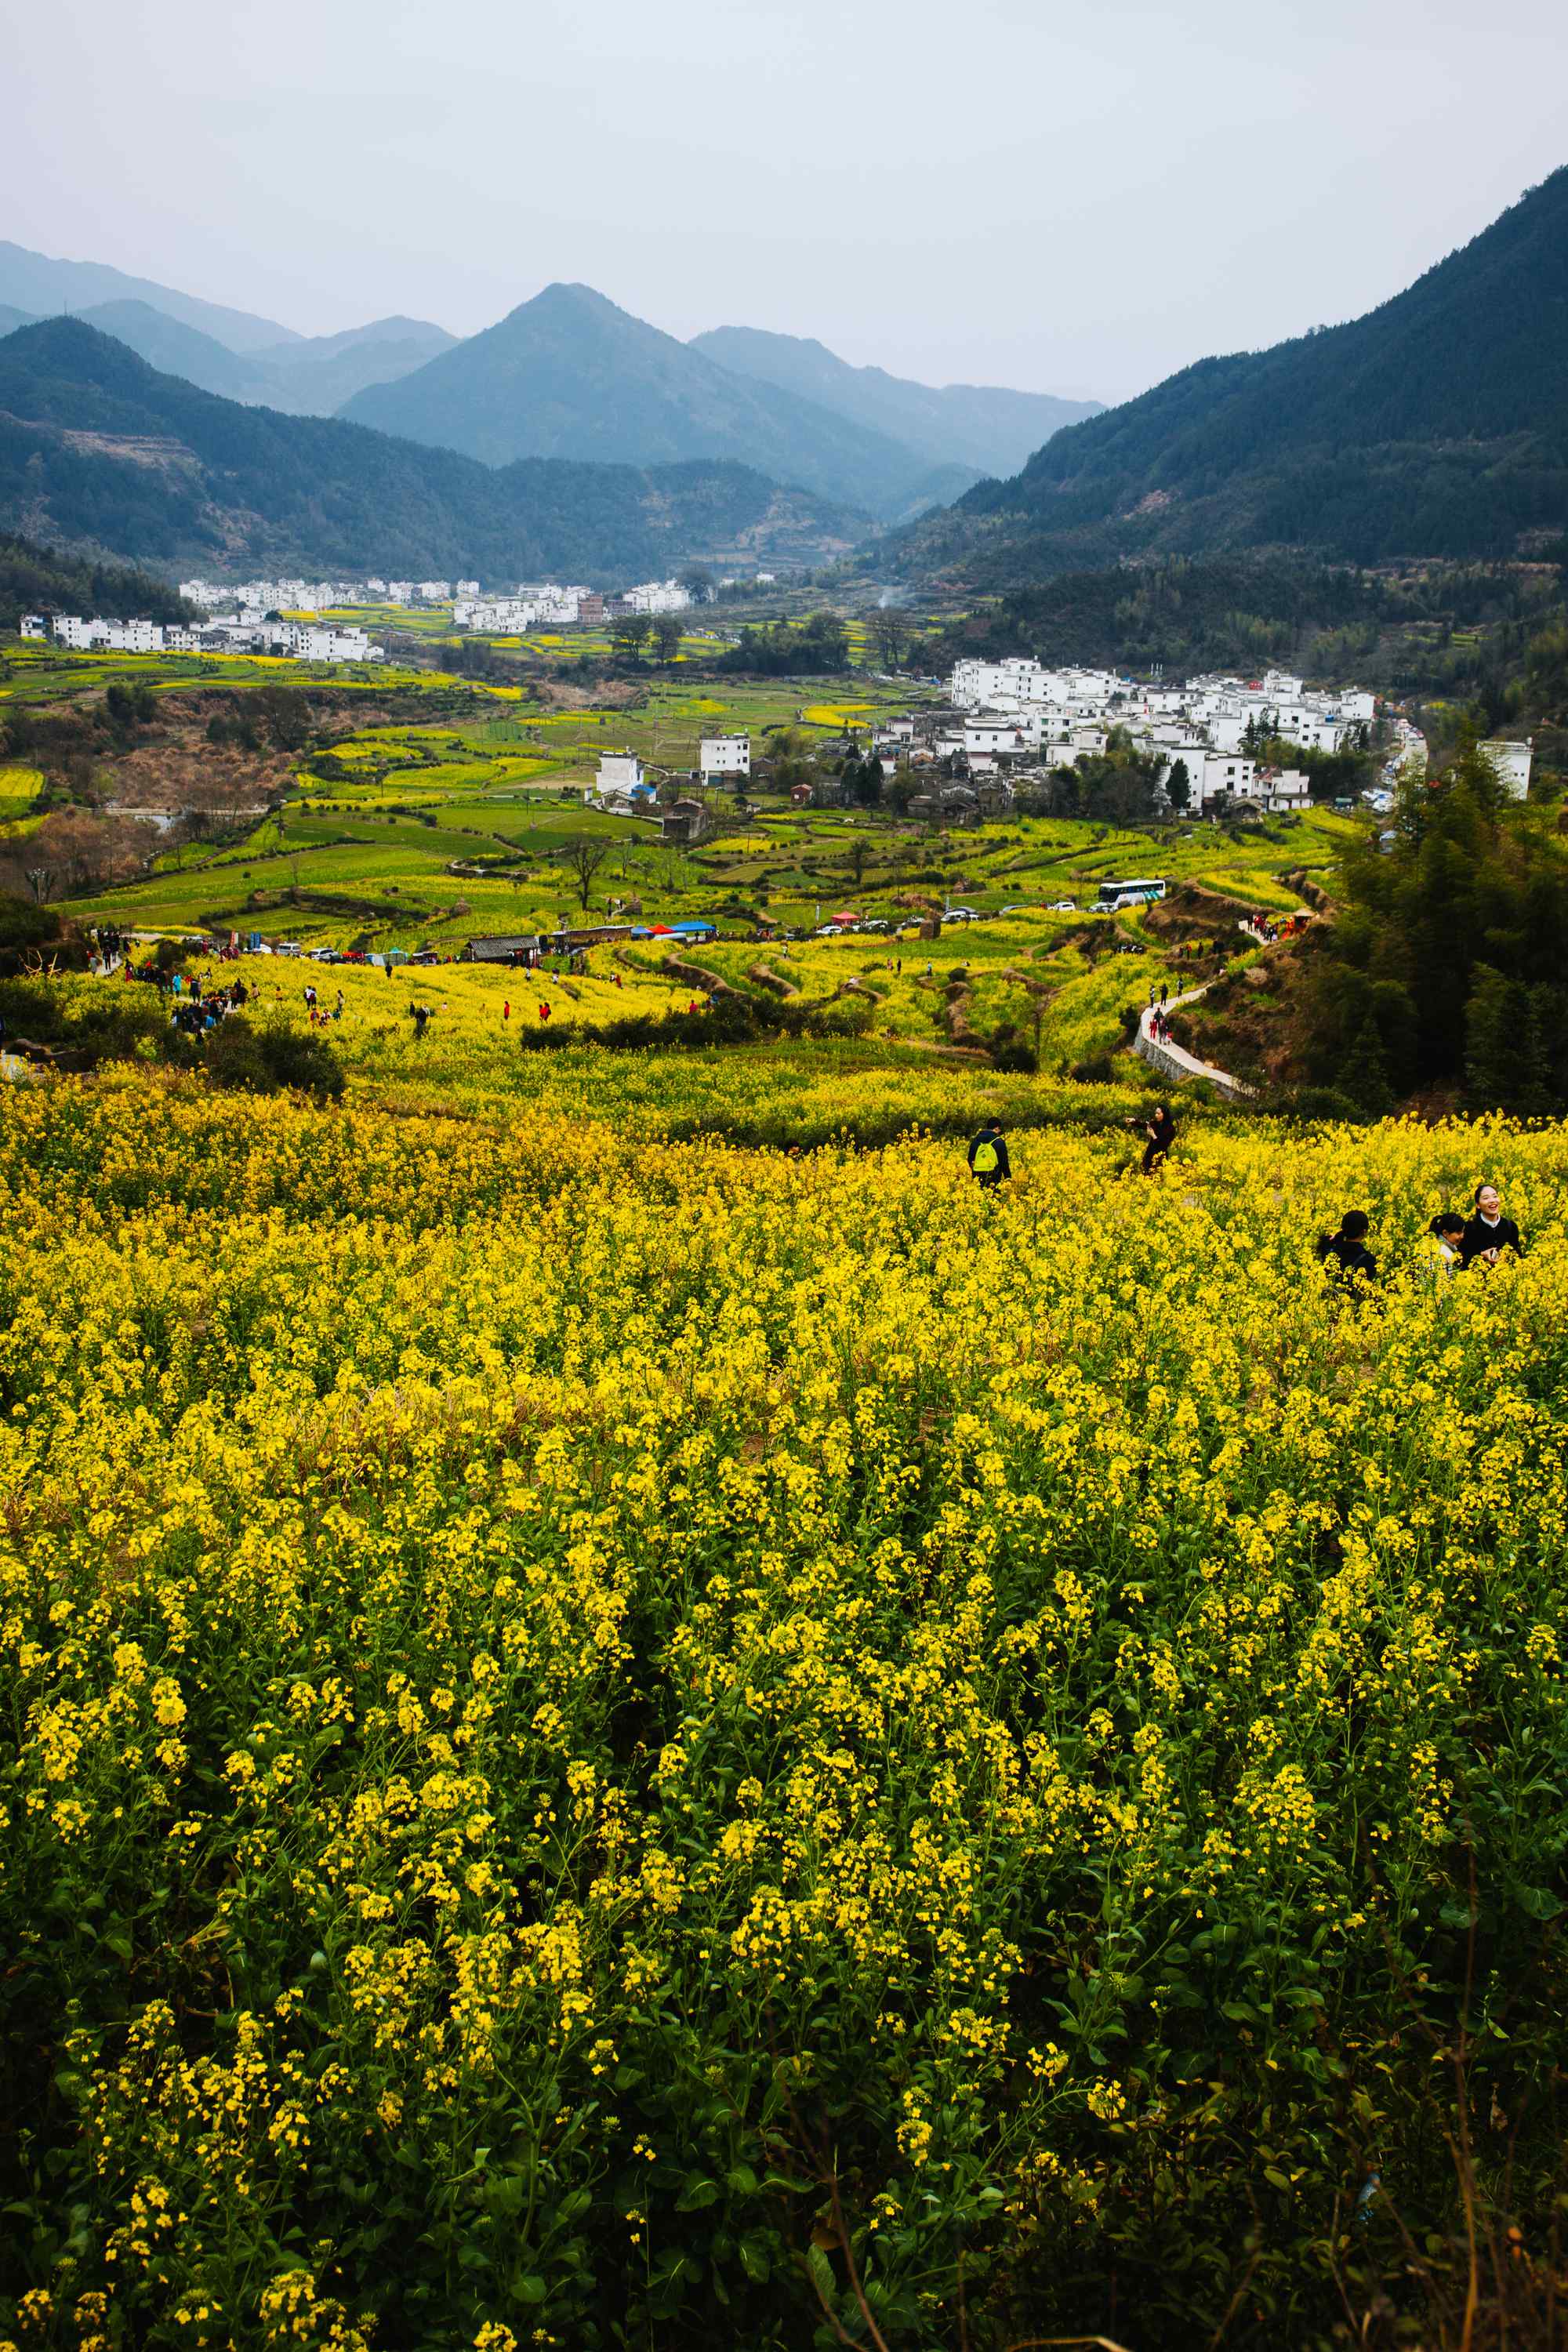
630	634
888	630
1179	785
697	582
666	636
1363	1078
865	779
286	713
860	857
585	858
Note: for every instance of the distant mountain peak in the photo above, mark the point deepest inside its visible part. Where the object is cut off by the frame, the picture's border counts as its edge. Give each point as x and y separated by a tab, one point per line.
989	428
570	373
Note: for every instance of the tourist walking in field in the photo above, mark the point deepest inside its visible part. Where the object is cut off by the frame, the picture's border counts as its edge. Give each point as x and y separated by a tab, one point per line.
988	1158
1446	1253
506	1010
1344	1256
1489	1232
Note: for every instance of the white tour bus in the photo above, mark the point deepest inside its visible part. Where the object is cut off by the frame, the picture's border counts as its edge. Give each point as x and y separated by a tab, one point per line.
1116	895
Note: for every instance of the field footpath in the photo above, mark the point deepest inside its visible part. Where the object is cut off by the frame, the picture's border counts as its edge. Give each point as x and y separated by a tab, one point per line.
1173	1061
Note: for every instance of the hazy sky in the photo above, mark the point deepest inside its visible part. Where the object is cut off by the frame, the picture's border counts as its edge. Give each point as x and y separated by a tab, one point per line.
1067	198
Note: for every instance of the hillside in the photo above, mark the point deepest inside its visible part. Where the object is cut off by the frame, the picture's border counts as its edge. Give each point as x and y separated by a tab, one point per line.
307	377
1435	426
98	448
175	349
983	426
569	375
35	283
32	577
313	375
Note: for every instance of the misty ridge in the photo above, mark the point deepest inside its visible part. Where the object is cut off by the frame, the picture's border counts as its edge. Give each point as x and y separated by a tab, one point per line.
573	437
570	375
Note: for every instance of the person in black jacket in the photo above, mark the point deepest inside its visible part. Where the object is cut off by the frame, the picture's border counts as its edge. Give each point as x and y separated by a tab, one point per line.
1489	1232
1344	1256
1161	1130
988	1156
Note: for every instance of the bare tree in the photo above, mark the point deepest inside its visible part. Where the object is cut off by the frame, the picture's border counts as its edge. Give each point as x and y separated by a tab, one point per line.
585	858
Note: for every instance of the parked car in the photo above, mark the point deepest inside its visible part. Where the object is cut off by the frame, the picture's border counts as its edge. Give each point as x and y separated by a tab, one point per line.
1062	907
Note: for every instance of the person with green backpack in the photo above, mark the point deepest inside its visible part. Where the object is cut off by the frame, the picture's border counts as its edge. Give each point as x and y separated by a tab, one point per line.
988	1156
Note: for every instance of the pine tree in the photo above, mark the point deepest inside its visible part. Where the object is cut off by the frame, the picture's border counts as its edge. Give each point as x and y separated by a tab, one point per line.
1363	1077
1495	1022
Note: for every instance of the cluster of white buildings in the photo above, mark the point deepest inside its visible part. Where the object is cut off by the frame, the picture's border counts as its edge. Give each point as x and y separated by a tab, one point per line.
623	789
546	605
538	603
1019	708
542	604
654	596
288	595
234	633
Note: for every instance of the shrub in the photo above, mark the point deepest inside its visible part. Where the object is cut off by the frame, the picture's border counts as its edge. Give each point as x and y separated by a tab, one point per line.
245	1060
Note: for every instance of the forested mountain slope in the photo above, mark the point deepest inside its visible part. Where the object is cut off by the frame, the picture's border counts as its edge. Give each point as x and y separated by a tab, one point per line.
1436	424
570	375
98	449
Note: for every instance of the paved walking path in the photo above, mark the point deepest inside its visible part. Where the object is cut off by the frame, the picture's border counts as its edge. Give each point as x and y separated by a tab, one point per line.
1175	1061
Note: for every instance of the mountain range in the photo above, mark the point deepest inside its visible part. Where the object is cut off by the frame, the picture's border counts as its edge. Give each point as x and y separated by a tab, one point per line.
980	425
100	450
37	285
311	376
1436	426
570	373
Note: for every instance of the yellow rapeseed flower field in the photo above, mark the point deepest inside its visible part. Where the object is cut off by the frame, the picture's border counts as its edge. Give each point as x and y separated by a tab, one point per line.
627	1740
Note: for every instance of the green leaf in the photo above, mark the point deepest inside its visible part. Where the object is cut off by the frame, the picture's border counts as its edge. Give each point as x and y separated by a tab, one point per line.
530	2287
754	2259
1539	1902
742	2180
822	2277
697	2193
